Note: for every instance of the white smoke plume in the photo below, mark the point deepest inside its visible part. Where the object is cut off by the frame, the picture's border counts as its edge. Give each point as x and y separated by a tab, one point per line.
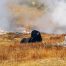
50	19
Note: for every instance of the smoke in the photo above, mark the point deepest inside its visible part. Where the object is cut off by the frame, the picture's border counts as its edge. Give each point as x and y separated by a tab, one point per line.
59	13
44	15
3	15
59	16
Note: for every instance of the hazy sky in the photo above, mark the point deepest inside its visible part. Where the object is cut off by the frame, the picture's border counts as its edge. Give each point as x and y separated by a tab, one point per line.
52	21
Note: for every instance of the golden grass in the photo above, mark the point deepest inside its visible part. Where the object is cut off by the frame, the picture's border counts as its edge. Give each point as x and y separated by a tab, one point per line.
33	54
40	62
12	53
21	52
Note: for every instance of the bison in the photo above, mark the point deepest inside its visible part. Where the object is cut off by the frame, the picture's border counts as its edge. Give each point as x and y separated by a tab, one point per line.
35	37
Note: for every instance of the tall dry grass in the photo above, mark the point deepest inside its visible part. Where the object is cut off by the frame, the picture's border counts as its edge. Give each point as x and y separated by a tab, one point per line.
31	51
46	53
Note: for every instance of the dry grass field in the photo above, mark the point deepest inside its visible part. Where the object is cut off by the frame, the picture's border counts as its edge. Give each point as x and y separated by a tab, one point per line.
45	53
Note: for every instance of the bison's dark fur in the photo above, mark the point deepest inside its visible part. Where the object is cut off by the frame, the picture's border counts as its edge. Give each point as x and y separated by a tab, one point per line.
35	37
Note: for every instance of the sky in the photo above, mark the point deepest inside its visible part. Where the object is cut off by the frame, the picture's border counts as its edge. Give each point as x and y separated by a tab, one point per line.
16	15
